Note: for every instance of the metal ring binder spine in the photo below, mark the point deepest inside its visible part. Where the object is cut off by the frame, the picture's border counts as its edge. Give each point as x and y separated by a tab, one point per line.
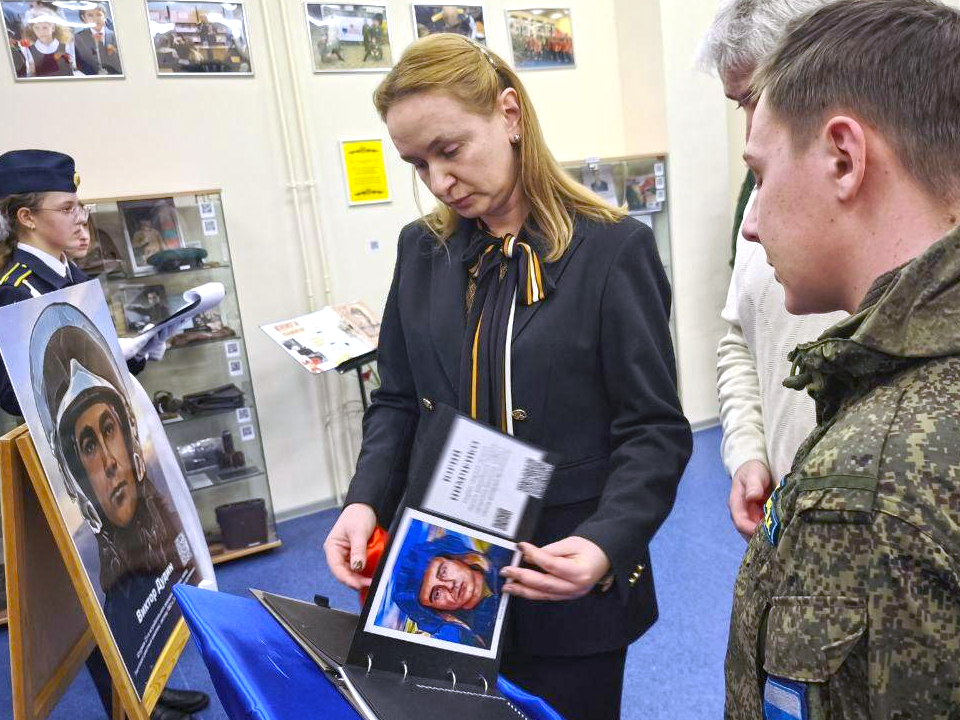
450	673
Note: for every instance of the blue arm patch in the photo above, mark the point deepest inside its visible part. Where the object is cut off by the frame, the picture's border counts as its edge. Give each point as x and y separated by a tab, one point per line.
784	700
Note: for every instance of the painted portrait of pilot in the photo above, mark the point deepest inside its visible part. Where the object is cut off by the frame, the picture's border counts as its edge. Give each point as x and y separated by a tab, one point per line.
141	545
442	586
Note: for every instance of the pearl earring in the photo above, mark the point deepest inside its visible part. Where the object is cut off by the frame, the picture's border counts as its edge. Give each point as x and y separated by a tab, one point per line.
515	139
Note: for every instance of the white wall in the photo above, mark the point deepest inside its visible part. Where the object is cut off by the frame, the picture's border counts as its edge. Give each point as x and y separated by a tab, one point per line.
580	110
700	208
145	134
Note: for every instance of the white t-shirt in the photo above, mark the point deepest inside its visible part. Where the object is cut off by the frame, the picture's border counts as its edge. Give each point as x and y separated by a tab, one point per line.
762	420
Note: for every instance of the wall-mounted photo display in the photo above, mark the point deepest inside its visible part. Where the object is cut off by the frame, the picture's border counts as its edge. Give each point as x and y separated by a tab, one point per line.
349	38
199	38
150	227
61	39
541	39
465	20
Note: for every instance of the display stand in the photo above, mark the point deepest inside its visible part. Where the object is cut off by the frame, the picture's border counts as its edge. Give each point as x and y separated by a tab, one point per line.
357	364
54	615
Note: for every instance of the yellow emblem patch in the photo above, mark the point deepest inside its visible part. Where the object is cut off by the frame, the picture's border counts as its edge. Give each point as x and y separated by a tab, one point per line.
76	180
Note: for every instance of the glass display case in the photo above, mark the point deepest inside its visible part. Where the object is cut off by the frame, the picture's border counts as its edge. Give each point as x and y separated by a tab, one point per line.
146	252
637	183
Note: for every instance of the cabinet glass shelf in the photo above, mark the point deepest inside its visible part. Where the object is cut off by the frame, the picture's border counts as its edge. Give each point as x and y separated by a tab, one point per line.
174	230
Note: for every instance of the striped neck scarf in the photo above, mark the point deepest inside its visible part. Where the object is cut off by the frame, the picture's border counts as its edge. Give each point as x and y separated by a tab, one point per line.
504	271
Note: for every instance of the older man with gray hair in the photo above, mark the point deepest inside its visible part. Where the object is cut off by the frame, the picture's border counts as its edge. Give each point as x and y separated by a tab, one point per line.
763	422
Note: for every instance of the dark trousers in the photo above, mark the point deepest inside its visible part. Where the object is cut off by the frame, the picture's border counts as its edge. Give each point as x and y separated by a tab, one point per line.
101	679
579	688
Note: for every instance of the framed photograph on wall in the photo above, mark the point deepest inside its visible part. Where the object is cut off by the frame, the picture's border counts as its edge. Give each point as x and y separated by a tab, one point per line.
150	226
61	40
541	39
468	20
349	38
199	38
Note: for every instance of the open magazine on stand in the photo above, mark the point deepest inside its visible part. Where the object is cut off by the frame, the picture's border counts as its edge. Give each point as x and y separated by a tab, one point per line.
326	339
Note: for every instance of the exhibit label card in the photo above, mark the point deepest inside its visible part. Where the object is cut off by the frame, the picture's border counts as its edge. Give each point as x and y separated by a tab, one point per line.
484	478
365	171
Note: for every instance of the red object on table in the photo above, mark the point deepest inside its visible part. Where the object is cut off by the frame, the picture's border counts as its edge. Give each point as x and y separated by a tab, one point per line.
375	547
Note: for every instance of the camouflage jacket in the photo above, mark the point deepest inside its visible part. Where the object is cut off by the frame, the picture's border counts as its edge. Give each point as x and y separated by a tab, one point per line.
847	604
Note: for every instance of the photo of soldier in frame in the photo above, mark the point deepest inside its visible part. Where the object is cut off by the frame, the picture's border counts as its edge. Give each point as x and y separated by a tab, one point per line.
150	227
441	586
349	38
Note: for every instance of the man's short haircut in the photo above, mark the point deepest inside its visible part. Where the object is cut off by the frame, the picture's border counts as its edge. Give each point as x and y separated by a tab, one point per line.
891	64
744	32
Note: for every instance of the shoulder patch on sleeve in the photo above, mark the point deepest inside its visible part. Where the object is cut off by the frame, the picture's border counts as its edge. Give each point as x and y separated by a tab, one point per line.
784	699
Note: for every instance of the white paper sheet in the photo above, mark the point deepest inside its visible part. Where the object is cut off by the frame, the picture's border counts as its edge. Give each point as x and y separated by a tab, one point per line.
485	478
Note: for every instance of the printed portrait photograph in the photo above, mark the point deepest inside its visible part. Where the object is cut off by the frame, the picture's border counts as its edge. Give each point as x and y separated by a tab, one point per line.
61	39
641	193
151	226
541	39
345	38
600	180
143	305
441	586
205	38
467	20
116	482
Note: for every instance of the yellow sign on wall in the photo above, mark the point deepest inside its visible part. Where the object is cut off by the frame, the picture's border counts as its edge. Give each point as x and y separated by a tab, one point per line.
365	171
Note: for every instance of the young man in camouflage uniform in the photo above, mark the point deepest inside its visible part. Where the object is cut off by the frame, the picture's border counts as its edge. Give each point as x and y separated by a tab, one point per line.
848	600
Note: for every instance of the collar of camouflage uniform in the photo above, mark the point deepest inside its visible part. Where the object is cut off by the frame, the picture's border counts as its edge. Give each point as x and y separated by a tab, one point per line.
916	316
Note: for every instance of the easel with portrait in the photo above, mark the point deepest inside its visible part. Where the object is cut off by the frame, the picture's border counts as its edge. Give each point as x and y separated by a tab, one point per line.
55	618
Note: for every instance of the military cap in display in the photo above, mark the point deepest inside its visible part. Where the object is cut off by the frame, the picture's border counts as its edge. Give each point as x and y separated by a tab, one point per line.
29	171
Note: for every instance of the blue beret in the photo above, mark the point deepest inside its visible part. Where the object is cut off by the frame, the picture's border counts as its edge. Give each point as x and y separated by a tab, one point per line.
29	171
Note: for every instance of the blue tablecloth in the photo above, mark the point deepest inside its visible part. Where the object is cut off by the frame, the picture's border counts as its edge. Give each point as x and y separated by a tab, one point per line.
260	673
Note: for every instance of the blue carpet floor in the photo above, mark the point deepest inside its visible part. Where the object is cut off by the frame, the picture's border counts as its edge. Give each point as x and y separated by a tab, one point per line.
675	671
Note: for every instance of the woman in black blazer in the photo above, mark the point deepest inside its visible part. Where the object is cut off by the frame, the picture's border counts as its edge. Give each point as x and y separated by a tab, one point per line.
520	262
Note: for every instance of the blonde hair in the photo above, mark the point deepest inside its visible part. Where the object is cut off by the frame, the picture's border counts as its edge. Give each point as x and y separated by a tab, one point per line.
476	77
42	14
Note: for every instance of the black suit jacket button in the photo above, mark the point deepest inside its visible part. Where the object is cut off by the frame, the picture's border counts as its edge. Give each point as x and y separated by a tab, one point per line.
520	415
427	404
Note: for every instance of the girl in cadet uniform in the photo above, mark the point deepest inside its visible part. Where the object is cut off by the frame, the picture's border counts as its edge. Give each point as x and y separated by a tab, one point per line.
49	51
520	262
40	227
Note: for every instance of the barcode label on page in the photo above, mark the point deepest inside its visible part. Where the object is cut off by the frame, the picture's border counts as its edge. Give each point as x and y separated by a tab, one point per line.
502	518
533	479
